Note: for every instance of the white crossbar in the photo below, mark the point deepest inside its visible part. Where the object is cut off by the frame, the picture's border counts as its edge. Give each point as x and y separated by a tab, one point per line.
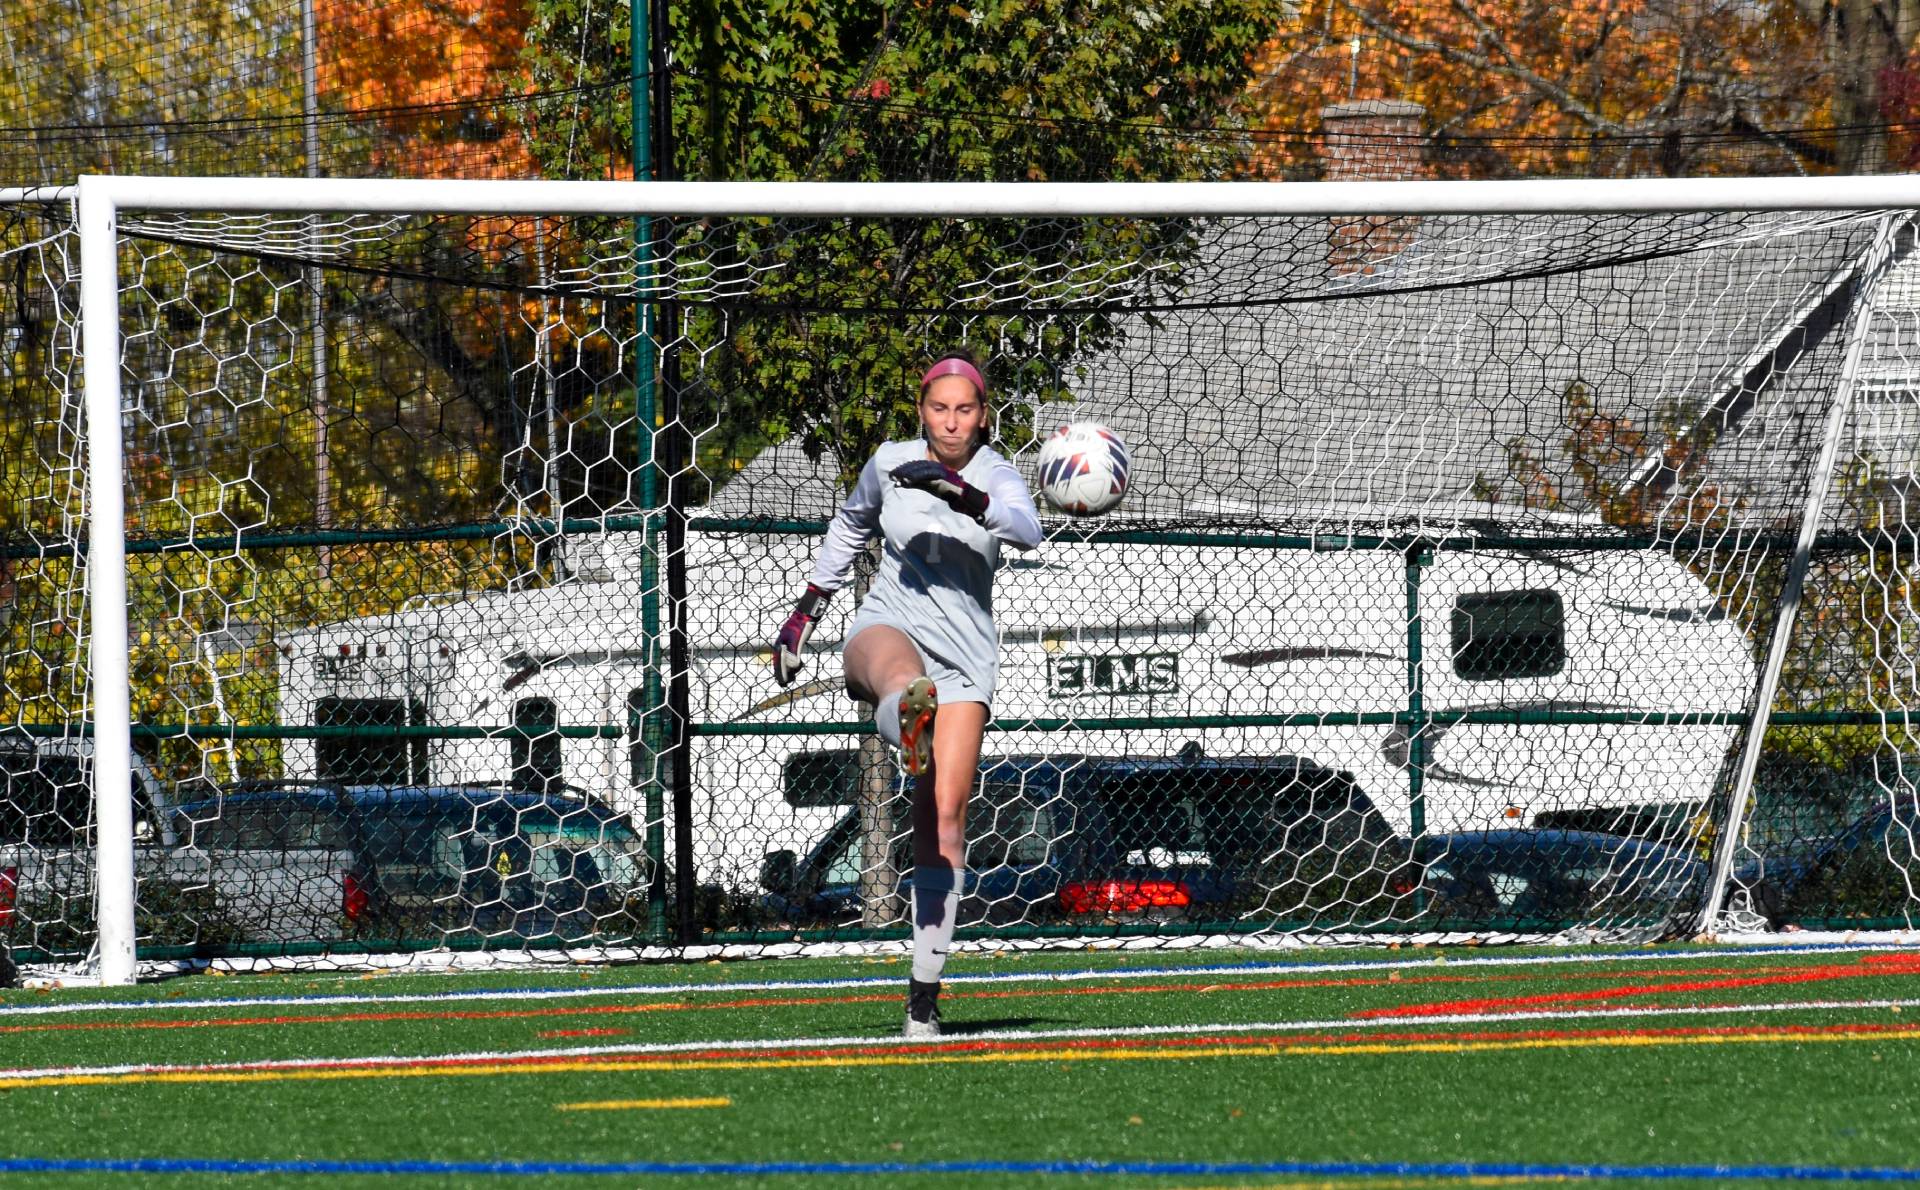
1026	199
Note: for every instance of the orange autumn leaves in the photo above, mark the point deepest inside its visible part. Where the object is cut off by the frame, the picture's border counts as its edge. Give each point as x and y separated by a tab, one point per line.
440	56
1600	87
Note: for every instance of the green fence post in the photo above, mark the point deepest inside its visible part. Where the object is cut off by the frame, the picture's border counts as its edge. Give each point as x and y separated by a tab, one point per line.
1418	555
652	731
642	753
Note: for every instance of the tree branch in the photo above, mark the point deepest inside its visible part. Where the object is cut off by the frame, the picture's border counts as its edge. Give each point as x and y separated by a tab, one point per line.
1563	99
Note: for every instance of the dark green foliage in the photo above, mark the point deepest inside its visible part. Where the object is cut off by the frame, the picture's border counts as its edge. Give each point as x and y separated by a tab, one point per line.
757	93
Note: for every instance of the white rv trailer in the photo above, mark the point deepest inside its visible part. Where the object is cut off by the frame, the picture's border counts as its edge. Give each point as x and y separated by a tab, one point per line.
1164	637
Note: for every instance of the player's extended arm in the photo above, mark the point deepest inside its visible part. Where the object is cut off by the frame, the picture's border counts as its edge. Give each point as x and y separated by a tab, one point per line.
847	535
1006	510
857	522
1011	515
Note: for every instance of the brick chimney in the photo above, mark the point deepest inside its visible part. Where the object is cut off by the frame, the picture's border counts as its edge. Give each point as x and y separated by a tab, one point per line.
1372	140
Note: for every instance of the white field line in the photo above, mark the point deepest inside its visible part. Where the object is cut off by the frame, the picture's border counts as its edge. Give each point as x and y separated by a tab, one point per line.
55	976
1820	939
52	976
883	981
753	1045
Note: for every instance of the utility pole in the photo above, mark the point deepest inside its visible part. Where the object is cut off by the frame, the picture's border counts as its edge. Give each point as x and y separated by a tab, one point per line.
316	292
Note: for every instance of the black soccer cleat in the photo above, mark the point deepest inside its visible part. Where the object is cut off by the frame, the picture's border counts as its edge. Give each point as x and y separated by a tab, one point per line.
923	1009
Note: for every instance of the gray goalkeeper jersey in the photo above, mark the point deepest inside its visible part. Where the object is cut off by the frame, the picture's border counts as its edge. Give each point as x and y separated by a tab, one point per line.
936	577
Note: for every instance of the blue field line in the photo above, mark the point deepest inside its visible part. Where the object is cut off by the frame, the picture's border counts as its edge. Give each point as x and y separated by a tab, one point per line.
1082	1168
1251	967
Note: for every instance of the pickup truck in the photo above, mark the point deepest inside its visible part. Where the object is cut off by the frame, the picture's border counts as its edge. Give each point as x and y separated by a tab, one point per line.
294	862
47	838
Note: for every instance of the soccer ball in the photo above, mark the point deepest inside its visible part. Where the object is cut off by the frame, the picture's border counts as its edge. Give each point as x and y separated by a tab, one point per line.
1083	469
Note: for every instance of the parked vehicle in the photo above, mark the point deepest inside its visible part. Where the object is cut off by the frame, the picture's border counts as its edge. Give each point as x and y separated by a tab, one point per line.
1116	839
295	861
1200	631
46	830
1547	879
1862	877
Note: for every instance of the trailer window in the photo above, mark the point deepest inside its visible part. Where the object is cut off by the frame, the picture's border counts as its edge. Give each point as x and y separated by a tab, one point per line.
1509	634
537	757
370	755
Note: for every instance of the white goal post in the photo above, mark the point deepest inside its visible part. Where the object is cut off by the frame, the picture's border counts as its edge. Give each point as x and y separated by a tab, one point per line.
102	201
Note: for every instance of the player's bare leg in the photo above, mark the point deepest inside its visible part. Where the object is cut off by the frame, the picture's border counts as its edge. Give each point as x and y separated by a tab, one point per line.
940	796
880	659
883	667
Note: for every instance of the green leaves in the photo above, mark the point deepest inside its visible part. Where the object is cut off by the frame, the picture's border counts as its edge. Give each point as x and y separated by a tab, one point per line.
1003	90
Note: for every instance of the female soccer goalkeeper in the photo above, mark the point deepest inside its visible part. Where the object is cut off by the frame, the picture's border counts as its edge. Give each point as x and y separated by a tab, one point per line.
923	648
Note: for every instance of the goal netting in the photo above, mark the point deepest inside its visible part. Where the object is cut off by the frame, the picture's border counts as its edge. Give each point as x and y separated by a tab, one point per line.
1487	570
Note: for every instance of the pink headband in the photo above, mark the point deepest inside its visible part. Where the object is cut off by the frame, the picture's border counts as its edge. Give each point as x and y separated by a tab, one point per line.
955	367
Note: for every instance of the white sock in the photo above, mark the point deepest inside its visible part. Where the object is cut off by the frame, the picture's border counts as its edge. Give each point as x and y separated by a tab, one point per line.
936	903
886	717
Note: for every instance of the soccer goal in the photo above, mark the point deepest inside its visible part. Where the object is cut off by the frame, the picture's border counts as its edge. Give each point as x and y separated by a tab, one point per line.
1501	560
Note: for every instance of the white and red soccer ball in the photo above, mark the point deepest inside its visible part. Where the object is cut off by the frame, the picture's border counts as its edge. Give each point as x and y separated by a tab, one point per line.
1083	469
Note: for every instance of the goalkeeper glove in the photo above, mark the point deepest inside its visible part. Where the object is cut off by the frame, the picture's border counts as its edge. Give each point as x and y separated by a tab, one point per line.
944	482
789	646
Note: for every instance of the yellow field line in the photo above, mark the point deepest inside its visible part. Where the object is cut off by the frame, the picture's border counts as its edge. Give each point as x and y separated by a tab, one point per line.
642	1104
1129	1054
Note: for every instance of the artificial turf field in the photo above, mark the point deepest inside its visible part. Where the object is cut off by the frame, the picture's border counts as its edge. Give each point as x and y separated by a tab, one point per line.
1412	1067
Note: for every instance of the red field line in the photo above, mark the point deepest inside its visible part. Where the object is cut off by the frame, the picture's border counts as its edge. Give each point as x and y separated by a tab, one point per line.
952	994
1883	965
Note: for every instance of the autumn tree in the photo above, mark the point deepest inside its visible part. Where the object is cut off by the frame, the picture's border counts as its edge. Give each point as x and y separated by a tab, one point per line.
1873	77
435	83
222	437
147	86
1673	87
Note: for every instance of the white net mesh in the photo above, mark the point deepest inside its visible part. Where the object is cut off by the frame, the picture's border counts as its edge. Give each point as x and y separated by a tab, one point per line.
1439	603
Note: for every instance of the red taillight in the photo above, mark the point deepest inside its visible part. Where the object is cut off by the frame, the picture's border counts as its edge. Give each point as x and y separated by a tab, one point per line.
353	898
9	888
1123	896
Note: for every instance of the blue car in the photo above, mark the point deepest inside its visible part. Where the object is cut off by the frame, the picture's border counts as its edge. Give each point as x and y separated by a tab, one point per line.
309	861
1535	879
1861	877
1083	839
